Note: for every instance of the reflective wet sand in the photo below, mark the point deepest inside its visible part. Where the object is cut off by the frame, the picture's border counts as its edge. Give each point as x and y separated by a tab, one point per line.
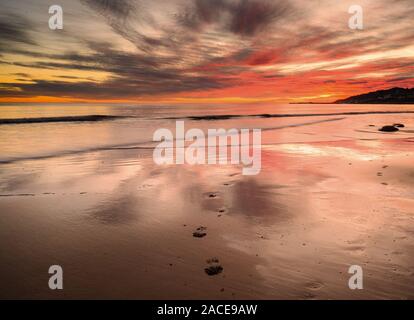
330	195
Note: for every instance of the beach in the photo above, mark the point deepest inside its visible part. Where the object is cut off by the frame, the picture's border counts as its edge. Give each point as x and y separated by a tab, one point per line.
333	191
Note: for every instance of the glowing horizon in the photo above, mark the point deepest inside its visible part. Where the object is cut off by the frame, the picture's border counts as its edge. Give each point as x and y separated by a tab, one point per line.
203	51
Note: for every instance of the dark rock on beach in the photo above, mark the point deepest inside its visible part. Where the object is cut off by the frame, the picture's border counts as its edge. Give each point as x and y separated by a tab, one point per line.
389	129
398	125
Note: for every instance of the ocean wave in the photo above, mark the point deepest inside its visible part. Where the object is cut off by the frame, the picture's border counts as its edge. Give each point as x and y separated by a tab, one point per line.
61	153
283	115
143	145
88	118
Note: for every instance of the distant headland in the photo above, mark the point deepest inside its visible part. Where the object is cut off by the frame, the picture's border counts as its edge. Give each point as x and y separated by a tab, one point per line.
390	96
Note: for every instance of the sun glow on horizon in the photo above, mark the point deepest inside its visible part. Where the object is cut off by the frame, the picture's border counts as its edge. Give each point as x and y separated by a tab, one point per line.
231	51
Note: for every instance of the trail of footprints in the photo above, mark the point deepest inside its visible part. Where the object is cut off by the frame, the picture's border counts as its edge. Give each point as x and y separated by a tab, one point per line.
213	265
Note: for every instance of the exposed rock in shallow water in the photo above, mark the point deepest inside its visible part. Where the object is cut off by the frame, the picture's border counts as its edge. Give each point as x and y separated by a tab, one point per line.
389	129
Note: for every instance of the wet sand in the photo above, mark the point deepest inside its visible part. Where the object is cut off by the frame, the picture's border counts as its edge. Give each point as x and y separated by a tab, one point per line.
330	195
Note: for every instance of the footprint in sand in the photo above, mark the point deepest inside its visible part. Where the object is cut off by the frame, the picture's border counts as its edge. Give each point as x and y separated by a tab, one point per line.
200	232
402	271
222	210
314	285
356	249
356	246
145	186
211	195
214	267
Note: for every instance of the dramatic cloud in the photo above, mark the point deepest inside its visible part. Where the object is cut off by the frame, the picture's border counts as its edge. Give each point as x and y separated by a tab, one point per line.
13	30
241	17
134	74
119	9
196	50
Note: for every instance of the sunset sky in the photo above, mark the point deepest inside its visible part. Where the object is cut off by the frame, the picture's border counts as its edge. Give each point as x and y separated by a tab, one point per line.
180	51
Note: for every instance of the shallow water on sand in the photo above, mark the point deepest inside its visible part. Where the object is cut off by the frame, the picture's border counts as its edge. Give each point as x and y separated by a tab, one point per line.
330	194
135	125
